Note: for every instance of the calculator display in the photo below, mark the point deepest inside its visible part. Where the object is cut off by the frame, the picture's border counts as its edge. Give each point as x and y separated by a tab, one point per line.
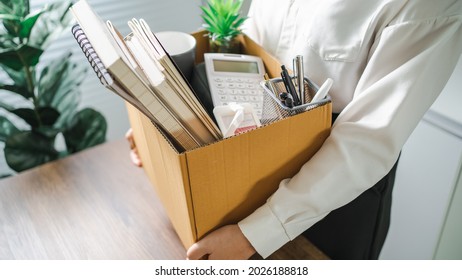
235	66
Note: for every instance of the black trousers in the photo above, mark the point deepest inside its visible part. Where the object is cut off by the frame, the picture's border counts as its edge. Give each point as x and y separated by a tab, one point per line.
358	229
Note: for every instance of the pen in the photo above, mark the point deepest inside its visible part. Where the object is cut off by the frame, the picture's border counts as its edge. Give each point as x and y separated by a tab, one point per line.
289	85
322	91
300	77
294	66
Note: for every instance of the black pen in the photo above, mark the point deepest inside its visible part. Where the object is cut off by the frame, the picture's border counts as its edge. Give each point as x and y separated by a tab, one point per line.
289	85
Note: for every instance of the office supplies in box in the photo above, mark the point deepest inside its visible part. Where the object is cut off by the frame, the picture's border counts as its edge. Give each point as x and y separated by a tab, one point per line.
223	182
273	107
145	75
203	182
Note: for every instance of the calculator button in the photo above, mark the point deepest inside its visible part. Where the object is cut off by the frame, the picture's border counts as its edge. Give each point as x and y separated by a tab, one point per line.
239	90
256	105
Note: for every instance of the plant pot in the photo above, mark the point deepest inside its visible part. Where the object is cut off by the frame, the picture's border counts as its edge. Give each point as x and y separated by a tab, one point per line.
225	46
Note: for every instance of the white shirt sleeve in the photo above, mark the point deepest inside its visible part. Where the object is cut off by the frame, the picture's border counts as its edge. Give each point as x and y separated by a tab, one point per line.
408	66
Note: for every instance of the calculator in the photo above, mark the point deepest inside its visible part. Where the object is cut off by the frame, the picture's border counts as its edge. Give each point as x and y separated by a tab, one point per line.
235	78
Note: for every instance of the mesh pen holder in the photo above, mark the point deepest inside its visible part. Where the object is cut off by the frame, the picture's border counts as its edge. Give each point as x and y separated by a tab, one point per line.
274	109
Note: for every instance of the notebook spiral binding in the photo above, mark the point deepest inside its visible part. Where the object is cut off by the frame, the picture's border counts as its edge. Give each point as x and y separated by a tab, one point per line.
94	60
106	79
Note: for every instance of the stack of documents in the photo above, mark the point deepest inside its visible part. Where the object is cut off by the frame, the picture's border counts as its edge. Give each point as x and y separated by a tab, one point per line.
138	69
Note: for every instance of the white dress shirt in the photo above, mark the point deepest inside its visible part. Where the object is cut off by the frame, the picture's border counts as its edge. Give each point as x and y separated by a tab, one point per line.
389	60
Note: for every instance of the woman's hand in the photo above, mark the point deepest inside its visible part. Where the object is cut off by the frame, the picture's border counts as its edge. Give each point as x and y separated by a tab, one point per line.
134	156
225	243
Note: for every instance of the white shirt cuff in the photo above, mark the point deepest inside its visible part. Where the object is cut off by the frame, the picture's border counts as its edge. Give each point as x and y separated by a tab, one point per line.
264	231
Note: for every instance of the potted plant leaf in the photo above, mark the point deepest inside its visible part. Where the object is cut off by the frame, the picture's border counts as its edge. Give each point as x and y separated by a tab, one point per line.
223	22
46	94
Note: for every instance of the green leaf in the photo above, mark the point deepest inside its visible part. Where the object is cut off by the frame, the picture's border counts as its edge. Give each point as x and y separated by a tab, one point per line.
6	7
208	15
27	149
5	106
48	115
47	131
58	87
51	79
9	17
5	175
63	154
88	131
28	23
67	105
15	58
10	59
44	116
55	18
12	26
6	128
28	115
18	77
11	14
240	21
222	18
15	7
17	89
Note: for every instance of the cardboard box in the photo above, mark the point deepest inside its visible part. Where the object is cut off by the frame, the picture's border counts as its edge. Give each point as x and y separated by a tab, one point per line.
223	182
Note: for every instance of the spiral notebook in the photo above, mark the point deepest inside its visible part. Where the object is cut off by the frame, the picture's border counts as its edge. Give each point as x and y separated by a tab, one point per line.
101	72
155	111
181	116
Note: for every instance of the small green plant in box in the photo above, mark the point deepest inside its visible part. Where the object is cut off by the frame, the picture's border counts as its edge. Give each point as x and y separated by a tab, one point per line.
223	22
46	95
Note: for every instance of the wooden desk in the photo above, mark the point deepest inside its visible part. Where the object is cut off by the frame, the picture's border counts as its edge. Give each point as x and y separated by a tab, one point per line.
94	205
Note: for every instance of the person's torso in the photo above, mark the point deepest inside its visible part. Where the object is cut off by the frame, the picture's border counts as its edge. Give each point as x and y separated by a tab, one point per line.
335	37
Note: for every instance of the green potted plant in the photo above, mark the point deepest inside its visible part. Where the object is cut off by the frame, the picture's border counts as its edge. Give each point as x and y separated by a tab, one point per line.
46	94
223	22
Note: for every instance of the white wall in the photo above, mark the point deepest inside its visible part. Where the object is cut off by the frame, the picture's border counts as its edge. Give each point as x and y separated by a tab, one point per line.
245	6
161	15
